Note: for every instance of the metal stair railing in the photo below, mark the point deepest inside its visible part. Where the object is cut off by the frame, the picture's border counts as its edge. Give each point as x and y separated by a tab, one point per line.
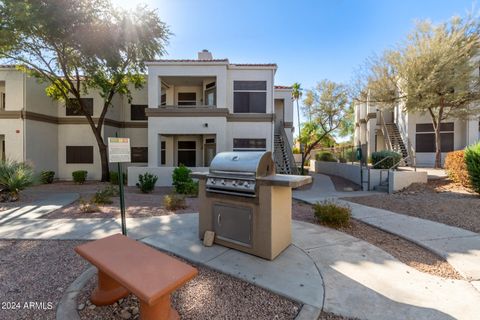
385	131
287	150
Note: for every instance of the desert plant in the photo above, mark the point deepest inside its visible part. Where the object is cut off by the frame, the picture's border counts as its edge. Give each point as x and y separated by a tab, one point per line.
342	160
79	176
102	197
114	178
183	182
325	156
174	202
111	191
87	206
456	168
14	177
46	177
146	182
296	150
472	160
391	159
332	214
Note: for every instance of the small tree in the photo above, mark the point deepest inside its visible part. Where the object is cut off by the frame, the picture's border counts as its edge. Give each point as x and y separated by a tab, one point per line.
329	106
76	46
433	72
296	95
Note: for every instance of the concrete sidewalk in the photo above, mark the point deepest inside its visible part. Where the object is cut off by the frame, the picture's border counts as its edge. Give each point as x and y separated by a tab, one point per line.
461	248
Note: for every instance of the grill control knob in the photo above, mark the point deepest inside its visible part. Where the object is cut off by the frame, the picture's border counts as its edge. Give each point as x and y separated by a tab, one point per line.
246	185
234	182
223	182
212	181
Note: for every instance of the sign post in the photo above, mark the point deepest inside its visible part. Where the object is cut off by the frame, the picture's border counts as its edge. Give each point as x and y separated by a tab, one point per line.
119	151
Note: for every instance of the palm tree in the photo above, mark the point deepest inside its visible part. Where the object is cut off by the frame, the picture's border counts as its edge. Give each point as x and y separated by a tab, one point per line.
296	95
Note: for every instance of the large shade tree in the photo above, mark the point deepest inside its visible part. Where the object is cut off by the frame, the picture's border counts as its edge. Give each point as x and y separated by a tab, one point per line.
329	106
434	72
78	46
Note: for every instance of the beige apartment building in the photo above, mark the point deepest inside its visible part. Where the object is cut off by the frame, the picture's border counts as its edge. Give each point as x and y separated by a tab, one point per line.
188	111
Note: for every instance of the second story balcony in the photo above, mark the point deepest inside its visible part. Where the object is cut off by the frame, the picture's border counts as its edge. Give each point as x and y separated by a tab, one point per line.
188	92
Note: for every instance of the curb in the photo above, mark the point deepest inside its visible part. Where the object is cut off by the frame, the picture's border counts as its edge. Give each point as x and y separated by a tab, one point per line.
308	312
67	307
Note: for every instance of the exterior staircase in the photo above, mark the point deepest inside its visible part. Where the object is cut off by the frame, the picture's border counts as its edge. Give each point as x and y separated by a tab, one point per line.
283	156
397	142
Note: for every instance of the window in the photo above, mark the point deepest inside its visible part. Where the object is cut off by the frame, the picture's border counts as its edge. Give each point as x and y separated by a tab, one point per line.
79	154
250	96
139	154
187	98
187	153
73	107
163	101
163	152
249	144
425	137
2	101
137	112
210	94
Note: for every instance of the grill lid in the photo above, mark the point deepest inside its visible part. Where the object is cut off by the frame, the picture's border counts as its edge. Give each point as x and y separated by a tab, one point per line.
254	163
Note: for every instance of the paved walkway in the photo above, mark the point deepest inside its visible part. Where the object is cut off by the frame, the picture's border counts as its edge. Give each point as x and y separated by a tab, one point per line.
461	248
324	269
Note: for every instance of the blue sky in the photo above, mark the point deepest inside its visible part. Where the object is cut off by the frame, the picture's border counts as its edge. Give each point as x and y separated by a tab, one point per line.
309	40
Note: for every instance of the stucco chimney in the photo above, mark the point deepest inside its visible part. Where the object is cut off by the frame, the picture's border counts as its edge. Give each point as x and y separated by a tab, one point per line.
205	55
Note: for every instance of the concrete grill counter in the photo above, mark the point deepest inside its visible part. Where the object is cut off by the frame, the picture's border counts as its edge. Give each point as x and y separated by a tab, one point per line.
246	204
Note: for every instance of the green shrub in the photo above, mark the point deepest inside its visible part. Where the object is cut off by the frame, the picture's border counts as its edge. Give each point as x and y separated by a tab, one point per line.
332	214
46	177
111	191
325	156
174	202
393	158
183	182
456	168
146	182
114	178
79	176
104	196
296	150
472	160
14	177
342	160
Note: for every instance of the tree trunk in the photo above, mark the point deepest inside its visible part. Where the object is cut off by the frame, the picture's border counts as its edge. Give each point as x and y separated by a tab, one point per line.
104	163
102	147
438	147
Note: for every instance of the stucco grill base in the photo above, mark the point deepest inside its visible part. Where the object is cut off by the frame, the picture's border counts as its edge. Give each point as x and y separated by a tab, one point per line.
271	218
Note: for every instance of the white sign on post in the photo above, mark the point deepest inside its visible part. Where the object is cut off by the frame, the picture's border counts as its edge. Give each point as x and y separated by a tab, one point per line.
119	150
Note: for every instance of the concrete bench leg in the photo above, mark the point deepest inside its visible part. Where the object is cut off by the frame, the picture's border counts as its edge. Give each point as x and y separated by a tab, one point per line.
107	291
161	310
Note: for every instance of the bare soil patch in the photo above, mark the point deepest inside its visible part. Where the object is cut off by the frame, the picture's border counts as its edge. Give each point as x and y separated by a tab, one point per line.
138	204
405	251
36	272
210	295
439	200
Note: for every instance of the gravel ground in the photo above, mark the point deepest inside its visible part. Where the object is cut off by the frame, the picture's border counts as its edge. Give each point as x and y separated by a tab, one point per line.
438	200
407	252
34	275
210	295
137	204
25	199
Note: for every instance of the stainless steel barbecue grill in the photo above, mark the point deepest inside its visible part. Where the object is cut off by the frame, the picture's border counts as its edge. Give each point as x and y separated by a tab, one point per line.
235	173
246	204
